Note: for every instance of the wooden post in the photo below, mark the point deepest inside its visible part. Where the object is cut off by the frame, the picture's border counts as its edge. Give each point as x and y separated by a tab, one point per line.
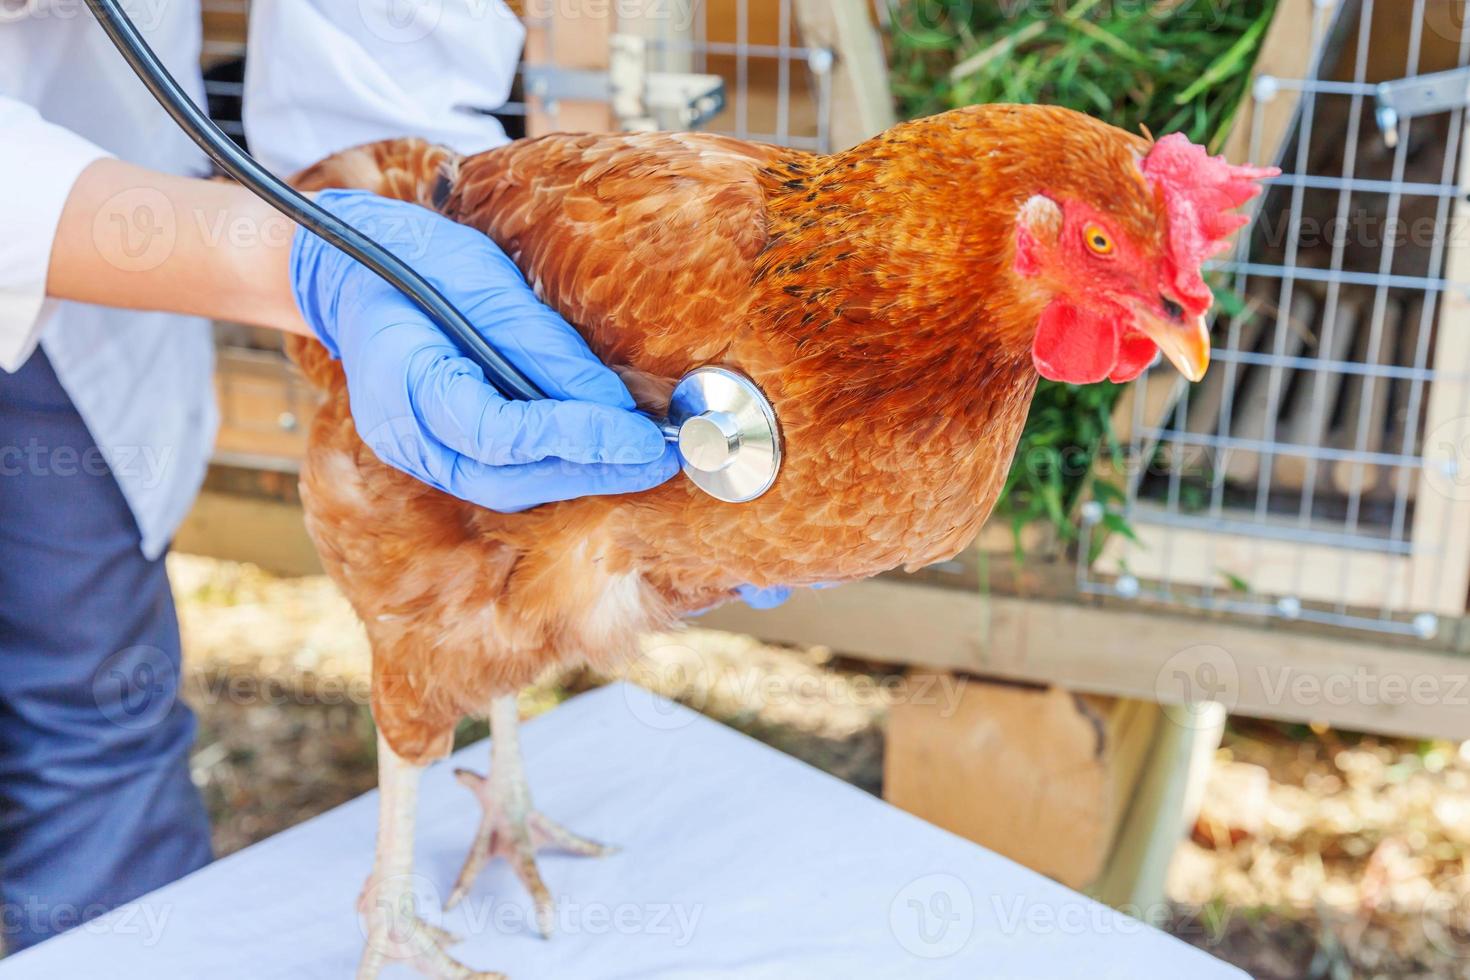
1440	573
575	35
661	22
1288	51
861	105
1166	803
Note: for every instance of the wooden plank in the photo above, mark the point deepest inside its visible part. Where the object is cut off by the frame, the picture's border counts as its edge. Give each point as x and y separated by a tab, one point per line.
1441	535
1207	399
763	104
1365	400
267	533
1259	398
225	28
1042	776
1373	684
1288	51
1310	412
1439	40
761	110
1311	572
1402	479
1161	388
862	105
265	405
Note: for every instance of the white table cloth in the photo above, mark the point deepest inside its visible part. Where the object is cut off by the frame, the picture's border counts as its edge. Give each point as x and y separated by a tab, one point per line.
736	861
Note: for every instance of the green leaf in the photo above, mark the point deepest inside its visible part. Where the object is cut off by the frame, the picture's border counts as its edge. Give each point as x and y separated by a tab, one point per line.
1236	583
1119	524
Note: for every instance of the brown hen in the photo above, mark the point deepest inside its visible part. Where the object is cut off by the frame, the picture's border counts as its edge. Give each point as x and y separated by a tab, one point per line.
894	302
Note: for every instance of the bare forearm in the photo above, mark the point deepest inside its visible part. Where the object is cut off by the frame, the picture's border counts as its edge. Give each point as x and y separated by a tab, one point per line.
135	238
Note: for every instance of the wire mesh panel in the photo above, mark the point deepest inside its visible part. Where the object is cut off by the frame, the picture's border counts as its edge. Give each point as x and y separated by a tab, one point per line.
764	84
780	91
774	88
769	87
1315	473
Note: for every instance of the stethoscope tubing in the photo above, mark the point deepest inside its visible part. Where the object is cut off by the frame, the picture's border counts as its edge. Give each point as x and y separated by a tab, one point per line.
499	372
751	458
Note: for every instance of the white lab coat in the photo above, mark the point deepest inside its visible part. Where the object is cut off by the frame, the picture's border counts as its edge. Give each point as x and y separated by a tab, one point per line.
326	80
328	74
141	381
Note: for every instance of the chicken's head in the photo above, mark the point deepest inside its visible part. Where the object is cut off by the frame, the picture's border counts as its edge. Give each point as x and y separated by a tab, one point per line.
1121	258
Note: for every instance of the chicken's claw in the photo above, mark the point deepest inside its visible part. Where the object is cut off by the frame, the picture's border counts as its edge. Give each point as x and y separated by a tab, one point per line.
512	830
395	932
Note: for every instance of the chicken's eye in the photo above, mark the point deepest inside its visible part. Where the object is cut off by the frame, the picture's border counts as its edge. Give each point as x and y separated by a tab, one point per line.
1099	241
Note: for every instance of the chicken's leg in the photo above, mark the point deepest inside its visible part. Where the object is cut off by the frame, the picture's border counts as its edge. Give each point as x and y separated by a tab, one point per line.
394	929
510	828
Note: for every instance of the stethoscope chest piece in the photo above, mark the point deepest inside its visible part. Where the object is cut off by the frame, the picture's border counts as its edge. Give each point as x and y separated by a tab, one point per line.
726	434
721	422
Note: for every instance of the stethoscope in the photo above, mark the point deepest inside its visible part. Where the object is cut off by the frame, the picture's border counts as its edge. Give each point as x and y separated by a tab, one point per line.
722	424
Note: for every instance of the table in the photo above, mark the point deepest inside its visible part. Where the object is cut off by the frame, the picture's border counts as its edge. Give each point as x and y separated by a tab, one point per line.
736	861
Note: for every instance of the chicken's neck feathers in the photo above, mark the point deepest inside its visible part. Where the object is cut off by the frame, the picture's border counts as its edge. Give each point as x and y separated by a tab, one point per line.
890	305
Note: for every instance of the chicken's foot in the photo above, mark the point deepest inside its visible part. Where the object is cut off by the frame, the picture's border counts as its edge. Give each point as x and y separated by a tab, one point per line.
387	904
510	828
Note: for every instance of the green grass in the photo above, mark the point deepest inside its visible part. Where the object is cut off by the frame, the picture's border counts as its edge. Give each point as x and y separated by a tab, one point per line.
1168	65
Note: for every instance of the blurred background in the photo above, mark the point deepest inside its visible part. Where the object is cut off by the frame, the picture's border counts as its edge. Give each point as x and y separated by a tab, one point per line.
1209	660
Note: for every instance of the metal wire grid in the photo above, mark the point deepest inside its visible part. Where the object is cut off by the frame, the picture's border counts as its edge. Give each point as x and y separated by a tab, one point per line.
778	91
1317	511
802	99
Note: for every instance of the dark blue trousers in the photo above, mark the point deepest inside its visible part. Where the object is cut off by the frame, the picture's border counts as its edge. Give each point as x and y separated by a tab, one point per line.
96	804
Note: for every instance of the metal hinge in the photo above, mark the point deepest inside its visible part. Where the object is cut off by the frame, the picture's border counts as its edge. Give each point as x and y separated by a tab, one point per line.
1422	95
640	99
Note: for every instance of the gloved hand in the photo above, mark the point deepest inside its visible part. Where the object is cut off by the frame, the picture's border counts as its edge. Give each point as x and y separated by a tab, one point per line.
770	598
424	408
757	598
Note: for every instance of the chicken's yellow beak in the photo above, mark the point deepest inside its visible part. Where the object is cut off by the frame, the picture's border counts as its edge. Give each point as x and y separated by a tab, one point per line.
1185	340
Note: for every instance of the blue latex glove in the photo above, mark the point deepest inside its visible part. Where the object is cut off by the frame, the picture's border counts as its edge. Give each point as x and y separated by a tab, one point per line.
427	410
757	598
772	597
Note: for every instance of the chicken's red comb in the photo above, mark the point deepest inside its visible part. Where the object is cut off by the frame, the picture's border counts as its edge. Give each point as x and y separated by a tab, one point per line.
1200	194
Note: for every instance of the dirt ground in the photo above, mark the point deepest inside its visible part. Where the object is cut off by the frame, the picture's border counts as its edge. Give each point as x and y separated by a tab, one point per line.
1352	864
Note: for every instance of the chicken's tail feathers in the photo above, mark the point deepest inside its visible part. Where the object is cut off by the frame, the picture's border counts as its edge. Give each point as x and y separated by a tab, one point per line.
410	169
